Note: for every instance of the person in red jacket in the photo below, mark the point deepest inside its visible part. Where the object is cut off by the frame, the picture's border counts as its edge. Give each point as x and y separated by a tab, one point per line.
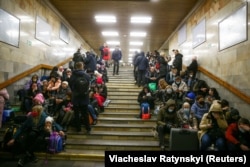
238	135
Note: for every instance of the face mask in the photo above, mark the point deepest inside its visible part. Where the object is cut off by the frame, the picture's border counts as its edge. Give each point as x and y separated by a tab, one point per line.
170	110
186	110
178	82
174	74
34	113
201	102
169	91
241	130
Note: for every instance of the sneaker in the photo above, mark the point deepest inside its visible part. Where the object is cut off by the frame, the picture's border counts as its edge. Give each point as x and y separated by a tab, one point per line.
162	148
20	162
95	122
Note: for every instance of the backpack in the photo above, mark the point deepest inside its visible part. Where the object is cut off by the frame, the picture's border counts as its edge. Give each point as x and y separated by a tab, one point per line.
55	143
8	135
82	85
145	111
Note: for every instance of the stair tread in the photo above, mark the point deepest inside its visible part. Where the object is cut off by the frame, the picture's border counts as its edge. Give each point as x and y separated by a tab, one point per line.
112	142
116	133
123	125
126	119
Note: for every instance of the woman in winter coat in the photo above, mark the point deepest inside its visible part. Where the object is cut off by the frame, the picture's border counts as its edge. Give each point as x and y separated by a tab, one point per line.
212	128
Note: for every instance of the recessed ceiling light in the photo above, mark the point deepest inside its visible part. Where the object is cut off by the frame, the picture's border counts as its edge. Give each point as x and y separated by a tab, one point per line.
113	42
138	34
133	50
110	33
140	19
136	43
105	19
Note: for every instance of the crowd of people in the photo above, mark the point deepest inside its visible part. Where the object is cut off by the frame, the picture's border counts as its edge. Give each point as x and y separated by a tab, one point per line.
67	96
181	100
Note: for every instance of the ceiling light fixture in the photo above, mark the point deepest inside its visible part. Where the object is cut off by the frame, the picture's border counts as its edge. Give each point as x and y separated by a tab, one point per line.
110	33
140	19
133	50
138	34
113	42
105	19
136	43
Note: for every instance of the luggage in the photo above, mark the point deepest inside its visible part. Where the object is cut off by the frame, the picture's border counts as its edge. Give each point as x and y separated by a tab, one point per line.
183	140
145	111
55	143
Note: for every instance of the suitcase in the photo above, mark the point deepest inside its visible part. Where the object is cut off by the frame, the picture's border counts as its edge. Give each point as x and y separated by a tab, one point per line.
183	140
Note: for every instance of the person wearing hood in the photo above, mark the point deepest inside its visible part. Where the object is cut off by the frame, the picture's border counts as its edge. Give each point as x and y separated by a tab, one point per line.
212	128
166	119
80	101
177	61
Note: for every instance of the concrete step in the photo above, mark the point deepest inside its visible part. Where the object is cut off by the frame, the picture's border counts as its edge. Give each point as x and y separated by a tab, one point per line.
124	88
136	127
113	135
95	144
121	109
118	114
124	105
126	120
122	97
67	154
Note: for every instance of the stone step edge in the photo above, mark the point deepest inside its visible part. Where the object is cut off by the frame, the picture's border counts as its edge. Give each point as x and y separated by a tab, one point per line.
62	155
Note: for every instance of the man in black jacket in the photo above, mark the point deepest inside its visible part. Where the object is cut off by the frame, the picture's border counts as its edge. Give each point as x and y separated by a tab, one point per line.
116	57
177	61
80	100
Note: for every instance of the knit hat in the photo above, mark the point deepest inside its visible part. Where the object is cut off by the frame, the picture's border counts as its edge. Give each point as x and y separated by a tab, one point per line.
191	95
65	82
215	107
49	119
39	98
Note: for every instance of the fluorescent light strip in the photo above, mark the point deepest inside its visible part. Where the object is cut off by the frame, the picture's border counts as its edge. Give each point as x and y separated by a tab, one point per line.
110	33
138	34
105	19
133	50
113	42
140	19
136	43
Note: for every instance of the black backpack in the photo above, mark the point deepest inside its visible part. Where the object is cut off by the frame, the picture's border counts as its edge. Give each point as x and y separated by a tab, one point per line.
8	135
81	85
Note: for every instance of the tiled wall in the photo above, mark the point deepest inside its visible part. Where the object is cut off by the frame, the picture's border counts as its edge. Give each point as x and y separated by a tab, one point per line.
232	64
32	52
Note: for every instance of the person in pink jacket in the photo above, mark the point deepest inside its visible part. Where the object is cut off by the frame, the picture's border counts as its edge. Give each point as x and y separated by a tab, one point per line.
4	95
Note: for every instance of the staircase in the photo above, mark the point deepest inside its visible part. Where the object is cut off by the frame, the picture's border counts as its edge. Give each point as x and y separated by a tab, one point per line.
116	129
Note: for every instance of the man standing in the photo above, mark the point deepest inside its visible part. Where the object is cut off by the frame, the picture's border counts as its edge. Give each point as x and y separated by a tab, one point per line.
178	61
77	57
116	57
80	98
